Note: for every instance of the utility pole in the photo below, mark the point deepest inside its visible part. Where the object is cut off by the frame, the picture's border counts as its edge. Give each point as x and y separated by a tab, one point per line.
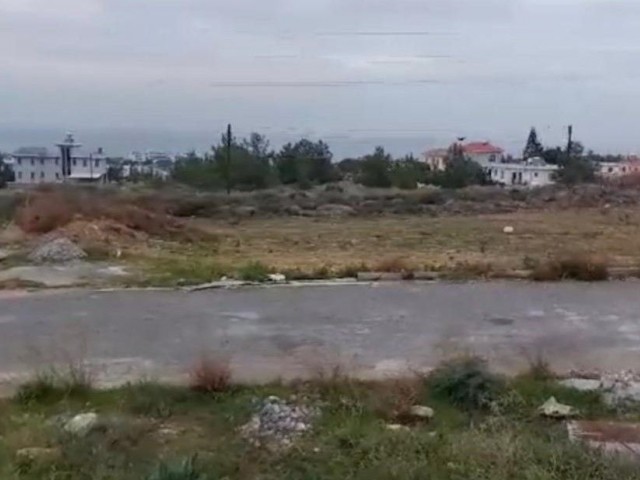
228	165
570	142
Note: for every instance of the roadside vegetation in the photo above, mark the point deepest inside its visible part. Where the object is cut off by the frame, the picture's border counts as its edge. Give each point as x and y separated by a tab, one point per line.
474	425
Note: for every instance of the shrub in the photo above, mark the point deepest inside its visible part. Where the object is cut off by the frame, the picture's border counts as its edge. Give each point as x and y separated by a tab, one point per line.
184	470
253	272
466	382
585	268
210	376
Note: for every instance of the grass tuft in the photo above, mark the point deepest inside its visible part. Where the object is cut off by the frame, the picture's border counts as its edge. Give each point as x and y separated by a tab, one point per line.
254	272
581	267
184	470
54	386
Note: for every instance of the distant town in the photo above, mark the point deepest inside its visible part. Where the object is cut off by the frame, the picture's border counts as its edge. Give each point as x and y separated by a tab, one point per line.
482	161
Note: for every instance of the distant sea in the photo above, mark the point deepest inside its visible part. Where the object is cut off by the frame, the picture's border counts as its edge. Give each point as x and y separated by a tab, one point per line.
121	141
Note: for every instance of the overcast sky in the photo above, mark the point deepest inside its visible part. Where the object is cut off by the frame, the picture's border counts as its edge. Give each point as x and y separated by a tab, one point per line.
408	73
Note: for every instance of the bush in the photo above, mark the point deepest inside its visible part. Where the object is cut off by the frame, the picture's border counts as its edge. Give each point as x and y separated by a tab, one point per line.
184	470
466	382
254	272
581	267
210	376
393	265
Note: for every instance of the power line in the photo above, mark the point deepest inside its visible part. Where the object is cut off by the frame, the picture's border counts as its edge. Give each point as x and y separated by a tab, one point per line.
322	84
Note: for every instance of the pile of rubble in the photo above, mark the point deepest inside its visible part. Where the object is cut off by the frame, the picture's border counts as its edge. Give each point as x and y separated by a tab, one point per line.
617	387
57	250
278	423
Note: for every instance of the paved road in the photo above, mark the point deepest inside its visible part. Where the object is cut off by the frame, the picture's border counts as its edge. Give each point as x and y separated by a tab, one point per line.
369	330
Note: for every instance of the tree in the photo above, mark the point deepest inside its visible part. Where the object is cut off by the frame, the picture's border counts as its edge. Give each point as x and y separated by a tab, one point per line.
575	167
6	172
375	169
460	173
305	162
533	147
250	165
408	172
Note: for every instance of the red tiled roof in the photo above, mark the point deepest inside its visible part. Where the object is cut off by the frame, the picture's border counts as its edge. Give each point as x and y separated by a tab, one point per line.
482	147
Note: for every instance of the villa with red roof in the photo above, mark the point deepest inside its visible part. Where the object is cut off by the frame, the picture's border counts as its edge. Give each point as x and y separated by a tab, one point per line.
483	153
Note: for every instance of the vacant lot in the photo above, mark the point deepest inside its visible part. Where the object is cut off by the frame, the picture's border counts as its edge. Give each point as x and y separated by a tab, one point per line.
411	242
478	426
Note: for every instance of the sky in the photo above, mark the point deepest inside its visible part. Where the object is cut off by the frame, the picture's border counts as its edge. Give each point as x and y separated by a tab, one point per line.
407	74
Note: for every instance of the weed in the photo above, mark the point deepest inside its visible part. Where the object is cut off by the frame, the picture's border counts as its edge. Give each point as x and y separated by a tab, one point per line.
582	267
210	376
254	272
466	382
352	270
184	470
53	386
539	369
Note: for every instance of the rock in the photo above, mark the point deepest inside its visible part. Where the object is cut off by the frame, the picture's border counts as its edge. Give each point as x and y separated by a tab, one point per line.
3	255
37	455
58	250
294	210
508	230
420	411
553	409
81	424
277	278
395	427
335	210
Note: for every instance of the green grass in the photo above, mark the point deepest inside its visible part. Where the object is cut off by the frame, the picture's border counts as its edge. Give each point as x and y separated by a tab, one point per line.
349	441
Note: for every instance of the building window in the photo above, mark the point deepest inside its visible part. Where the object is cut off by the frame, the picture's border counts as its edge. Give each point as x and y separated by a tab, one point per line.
20	175
501	174
19	161
33	175
74	162
41	174
97	163
57	176
492	158
624	169
33	162
535	174
42	162
84	163
57	161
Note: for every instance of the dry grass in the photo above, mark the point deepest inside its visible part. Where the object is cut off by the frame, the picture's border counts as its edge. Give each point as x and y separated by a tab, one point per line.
578	266
210	375
393	265
416	242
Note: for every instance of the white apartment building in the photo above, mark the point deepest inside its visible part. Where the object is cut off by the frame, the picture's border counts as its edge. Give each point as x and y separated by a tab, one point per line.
33	165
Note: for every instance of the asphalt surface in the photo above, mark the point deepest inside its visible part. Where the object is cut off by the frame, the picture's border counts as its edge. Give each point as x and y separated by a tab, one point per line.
368	330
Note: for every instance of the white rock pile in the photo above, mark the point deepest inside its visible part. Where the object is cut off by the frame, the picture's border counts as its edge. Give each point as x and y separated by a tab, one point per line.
58	250
278	423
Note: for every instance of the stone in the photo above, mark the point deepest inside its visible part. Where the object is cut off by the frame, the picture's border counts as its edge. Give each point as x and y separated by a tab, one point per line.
420	411
553	409
82	424
277	278
508	230
3	255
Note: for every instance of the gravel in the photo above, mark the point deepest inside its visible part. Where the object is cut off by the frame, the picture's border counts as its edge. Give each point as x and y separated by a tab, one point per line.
58	250
278	423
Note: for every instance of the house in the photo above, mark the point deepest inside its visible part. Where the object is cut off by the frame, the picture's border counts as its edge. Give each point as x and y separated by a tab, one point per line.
436	159
33	165
629	166
483	153
534	172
